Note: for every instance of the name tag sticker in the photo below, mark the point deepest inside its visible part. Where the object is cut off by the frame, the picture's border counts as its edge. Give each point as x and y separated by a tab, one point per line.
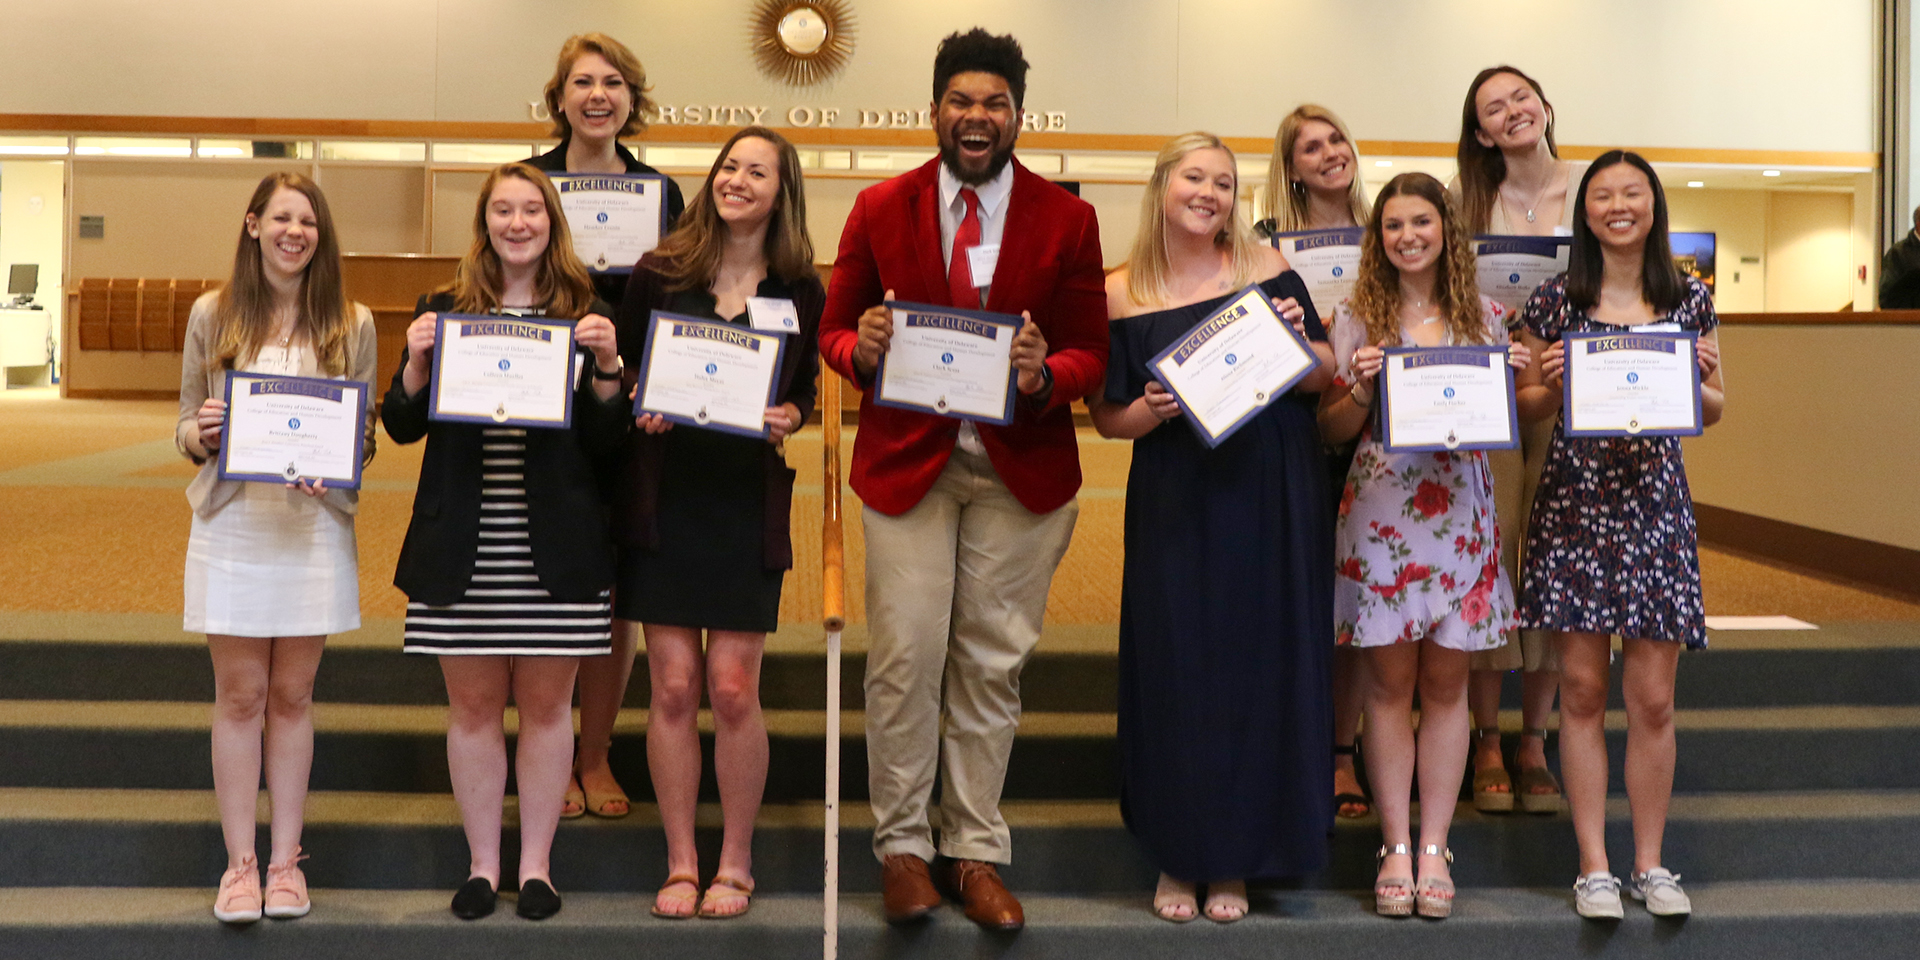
981	259
773	314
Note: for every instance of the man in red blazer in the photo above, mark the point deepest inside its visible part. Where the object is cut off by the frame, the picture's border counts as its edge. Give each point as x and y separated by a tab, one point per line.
964	522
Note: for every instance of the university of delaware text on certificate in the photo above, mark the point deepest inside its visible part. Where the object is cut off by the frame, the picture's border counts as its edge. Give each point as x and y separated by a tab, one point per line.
1510	268
282	429
950	362
709	374
511	371
1447	398
1326	260
615	218
1232	364
1631	384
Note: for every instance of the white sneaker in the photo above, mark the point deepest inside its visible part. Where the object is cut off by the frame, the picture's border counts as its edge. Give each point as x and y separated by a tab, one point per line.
1596	896
1662	893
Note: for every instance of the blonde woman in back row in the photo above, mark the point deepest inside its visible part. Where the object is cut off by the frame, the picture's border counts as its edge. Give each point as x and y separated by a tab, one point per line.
271	568
1313	183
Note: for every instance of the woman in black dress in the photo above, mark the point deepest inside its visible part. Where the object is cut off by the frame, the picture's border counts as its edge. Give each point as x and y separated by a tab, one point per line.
702	516
507	563
598	94
1226	602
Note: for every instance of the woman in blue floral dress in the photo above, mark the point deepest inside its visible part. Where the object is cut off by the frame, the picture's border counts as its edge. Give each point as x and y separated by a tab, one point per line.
1612	547
1419	584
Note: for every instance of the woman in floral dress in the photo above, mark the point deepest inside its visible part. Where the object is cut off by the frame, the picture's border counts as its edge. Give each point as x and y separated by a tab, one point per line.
1612	548
1419	583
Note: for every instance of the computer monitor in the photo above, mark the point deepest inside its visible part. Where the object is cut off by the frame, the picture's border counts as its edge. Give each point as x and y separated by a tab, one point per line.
23	279
1693	253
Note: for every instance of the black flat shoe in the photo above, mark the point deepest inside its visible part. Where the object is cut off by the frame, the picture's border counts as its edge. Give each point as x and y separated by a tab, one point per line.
474	899
537	900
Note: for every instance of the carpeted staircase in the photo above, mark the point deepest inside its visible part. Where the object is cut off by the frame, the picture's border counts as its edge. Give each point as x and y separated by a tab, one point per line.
1795	821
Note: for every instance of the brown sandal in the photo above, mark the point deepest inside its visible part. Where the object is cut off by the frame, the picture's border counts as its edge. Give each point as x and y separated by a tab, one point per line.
675	880
1485	798
729	890
1532	799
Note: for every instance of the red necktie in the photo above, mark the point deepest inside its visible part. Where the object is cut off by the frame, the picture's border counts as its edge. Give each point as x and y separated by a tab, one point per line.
966	293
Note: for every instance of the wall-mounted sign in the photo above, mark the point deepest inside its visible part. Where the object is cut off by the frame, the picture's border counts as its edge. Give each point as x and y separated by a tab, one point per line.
803	115
801	42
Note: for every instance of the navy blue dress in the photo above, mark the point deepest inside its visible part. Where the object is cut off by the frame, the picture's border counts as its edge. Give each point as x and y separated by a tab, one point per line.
1226	629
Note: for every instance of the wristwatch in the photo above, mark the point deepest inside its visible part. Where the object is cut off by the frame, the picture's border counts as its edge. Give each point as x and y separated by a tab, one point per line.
619	367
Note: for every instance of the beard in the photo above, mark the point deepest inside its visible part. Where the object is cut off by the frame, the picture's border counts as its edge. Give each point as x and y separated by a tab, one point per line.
996	161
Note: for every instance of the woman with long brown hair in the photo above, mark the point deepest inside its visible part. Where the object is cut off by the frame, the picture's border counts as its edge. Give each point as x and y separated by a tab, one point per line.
507	565
1513	182
702	516
1419	584
271	570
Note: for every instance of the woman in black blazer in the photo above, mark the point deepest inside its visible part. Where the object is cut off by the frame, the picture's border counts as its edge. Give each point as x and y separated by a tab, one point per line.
703	516
507	565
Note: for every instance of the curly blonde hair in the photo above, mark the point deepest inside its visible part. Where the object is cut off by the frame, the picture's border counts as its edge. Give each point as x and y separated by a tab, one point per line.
1456	288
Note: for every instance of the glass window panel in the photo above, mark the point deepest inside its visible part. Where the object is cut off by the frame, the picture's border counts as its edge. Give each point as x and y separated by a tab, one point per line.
255	149
488	153
391	150
698	158
131	147
1112	165
33	146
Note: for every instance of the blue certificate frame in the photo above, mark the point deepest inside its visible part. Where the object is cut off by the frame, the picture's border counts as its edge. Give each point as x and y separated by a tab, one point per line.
567	183
1479	355
574	368
1205	329
333	390
1632	340
728	332
900	307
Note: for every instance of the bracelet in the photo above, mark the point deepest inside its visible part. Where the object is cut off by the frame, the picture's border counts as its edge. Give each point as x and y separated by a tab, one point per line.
1353	393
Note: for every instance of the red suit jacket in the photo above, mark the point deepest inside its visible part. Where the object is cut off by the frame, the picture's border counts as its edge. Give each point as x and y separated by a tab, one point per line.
1049	266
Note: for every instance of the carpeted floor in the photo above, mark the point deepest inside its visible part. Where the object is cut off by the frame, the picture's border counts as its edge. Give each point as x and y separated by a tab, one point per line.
90	493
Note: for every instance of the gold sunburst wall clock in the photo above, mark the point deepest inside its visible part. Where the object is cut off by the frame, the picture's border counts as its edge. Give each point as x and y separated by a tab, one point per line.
802	42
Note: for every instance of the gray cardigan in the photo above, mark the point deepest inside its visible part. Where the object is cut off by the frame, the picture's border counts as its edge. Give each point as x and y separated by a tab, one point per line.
208	492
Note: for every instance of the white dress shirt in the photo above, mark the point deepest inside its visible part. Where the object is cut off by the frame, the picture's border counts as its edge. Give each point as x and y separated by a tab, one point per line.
993	225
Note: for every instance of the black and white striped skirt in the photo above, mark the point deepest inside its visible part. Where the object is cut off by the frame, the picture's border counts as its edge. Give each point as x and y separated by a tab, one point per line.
505	611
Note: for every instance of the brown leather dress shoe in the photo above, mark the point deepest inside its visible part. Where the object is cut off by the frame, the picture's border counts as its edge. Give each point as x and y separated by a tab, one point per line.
907	890
977	884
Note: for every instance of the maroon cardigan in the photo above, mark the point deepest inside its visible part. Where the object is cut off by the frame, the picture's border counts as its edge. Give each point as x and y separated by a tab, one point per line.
636	494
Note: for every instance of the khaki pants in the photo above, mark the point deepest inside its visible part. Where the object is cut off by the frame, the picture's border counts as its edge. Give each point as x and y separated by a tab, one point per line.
956	591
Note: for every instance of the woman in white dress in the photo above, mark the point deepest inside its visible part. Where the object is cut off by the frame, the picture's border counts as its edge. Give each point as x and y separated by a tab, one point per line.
271	568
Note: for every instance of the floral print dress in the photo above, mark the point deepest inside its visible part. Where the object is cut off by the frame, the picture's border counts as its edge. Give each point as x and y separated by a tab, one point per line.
1417	550
1612	547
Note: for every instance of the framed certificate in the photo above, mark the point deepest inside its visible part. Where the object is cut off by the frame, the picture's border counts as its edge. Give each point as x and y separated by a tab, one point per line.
1232	364
704	373
1511	267
949	362
282	429
1631	384
614	217
1328	260
507	371
1447	398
